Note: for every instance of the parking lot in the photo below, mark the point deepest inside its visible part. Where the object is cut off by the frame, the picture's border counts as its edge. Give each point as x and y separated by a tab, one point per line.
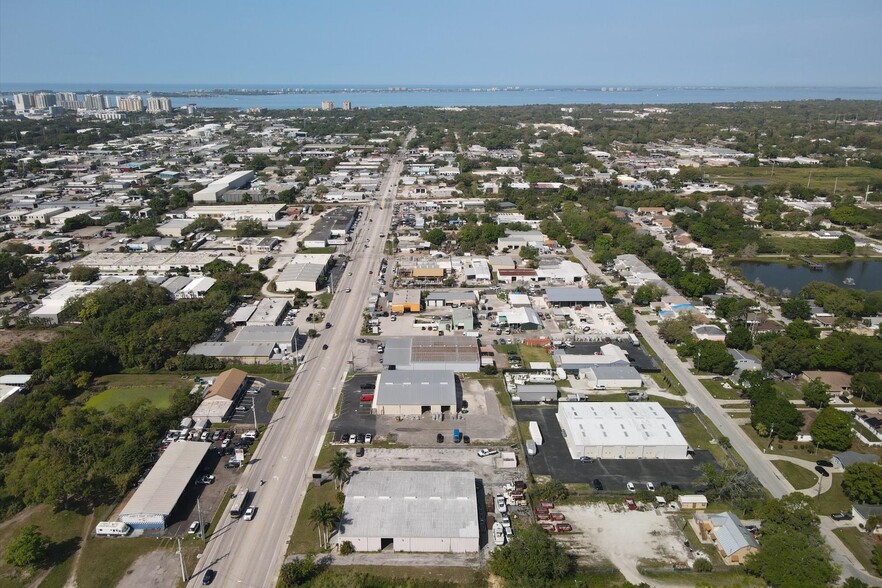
245	418
640	360
553	459
481	419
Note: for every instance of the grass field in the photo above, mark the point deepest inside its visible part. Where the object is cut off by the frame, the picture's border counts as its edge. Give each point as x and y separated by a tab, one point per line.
851	179
64	530
834	499
799	477
104	560
126	388
382	576
527	353
860	544
718	391
318	250
699	438
304	538
788	448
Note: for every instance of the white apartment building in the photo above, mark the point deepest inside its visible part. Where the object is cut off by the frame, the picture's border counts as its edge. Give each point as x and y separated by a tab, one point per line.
160	104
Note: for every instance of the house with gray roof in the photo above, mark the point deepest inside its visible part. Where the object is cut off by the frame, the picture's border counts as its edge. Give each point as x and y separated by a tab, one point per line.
729	536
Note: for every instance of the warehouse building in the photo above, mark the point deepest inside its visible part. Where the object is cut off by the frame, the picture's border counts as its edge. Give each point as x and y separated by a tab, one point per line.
612	376
269	312
440	299
222	396
536	393
156	262
520	318
282	336
406	300
332	228
413	392
237	212
575	297
236	351
620	430
151	505
304	272
458	354
434	512
214	191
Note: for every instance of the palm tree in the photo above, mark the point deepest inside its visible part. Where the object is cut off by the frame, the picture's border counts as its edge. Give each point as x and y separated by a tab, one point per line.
340	468
323	517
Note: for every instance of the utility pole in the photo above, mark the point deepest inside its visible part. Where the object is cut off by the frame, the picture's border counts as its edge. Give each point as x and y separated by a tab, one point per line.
254	413
181	556
201	524
771	437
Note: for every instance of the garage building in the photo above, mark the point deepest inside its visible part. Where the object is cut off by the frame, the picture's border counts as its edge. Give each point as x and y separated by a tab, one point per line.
456	353
413	392
156	497
612	376
575	297
305	272
620	430
426	511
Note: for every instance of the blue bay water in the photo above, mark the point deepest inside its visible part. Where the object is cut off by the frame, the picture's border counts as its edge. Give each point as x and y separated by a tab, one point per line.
374	97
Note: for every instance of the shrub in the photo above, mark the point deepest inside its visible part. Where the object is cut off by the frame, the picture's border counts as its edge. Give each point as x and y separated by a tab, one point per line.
347	548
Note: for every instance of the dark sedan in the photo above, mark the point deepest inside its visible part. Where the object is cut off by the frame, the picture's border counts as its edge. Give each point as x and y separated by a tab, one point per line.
824	473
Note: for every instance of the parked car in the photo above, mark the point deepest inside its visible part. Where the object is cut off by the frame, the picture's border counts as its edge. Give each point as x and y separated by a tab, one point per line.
194	528
824	473
352	439
325	347
208	577
563	527
368	438
359	438
439	438
824	463
841	516
225	443
586	459
486	452
629	502
359	452
598	485
650	486
250	512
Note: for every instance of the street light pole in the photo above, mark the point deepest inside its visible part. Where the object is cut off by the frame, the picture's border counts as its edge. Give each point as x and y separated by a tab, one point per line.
181	556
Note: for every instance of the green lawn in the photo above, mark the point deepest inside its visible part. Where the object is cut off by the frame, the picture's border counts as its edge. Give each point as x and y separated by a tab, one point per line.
717	390
804	451
64	529
215	520
127	388
527	353
834	499
318	250
699	438
382	576
324	300
104	560
851	179
799	477
304	538
788	390
860	544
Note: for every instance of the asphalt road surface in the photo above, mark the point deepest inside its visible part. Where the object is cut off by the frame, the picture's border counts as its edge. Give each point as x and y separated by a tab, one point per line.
250	553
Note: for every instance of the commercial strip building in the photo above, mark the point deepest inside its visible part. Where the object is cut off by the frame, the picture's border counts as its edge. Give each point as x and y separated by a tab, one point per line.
405	300
620	430
214	191
409	511
575	297
238	352
156	497
413	392
455	353
612	376
193	261
222	396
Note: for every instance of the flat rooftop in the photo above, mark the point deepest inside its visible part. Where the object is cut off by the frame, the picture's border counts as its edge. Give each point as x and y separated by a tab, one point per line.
422	504
620	423
410	350
416	387
159	492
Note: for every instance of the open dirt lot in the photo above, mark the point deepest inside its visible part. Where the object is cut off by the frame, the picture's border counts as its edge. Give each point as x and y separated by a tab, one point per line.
10	338
624	538
158	569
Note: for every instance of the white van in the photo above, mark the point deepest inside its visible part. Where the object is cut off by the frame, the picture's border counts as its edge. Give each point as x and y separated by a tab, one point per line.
111	529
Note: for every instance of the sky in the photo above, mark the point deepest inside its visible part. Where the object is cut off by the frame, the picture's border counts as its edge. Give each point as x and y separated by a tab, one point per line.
211	43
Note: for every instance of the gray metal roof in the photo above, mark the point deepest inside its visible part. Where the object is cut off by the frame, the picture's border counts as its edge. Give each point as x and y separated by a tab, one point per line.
417	387
403	504
404	351
232	349
730	533
847	458
617	372
583	295
163	486
266	334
